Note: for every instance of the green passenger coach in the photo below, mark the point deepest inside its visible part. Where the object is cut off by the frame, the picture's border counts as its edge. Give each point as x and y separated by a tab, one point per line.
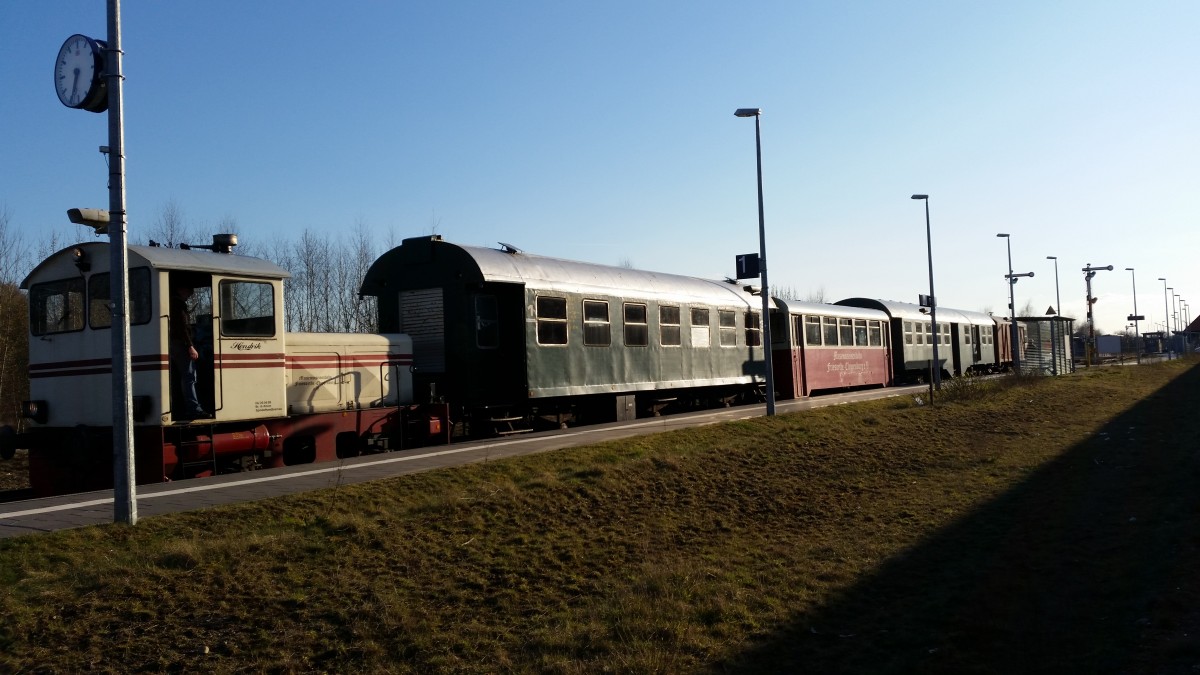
510	335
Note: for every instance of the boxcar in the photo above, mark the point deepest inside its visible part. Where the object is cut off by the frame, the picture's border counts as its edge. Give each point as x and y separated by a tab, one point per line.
821	347
502	334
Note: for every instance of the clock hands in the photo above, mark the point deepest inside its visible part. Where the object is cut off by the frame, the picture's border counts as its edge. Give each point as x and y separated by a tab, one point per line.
75	86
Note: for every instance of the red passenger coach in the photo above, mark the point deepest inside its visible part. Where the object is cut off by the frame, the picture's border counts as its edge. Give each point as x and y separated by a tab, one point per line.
820	347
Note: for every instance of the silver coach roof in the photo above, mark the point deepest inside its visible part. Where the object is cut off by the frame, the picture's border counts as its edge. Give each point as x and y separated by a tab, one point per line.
555	274
907	310
824	309
163	258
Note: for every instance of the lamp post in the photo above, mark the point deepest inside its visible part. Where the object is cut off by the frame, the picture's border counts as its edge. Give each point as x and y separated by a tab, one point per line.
1136	327
756	113
1166	315
1171	315
937	336
1057	297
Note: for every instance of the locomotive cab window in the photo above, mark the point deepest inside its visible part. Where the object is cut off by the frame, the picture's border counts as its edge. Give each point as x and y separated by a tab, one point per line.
597	329
56	307
668	325
100	298
637	333
551	320
247	309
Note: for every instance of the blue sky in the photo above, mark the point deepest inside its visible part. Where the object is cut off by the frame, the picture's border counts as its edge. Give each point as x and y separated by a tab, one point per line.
605	132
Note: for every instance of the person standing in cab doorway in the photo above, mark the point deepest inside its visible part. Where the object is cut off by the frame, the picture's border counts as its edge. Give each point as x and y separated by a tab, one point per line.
183	356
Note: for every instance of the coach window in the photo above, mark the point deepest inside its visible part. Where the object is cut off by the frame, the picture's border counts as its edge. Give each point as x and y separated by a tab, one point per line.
727	320
967	335
99	298
597	329
875	331
908	332
860	332
812	331
701	330
944	330
247	309
846	332
637	333
551	320
753	329
668	325
829	330
487	322
919	333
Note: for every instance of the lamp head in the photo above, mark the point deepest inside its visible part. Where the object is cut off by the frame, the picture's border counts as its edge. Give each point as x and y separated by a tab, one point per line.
1128	269
920	196
1002	235
1051	257
747	112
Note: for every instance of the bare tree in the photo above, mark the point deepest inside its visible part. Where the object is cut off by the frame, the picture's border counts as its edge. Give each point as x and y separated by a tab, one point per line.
14	320
170	228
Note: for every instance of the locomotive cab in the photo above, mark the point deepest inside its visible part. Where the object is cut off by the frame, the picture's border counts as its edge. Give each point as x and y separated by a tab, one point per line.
236	316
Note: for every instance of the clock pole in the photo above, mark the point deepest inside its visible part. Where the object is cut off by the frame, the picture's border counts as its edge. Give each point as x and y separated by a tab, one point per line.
124	498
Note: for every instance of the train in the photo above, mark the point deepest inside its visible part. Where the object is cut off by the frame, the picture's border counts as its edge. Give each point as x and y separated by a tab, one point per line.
472	342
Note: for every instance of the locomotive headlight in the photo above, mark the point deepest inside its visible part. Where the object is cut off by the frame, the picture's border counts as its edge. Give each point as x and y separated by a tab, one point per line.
38	411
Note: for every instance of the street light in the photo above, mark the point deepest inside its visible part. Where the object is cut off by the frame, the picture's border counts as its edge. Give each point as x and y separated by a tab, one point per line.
1166	316
1057	297
756	113
937	337
1136	328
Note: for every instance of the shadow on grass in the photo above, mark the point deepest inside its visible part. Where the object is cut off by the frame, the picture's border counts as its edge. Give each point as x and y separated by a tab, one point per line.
1091	565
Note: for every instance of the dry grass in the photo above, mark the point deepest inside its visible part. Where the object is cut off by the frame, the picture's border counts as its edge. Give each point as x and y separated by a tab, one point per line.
1051	526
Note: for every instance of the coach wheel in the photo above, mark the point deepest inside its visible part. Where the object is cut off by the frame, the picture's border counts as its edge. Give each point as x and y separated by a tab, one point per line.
8	442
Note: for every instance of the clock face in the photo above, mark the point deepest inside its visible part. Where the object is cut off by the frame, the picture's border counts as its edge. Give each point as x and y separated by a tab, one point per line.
77	74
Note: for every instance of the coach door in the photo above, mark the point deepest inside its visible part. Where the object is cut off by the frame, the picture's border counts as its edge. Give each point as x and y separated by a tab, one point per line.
976	347
249	361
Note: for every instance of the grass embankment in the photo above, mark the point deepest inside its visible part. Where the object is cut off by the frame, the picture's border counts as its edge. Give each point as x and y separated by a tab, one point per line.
1052	526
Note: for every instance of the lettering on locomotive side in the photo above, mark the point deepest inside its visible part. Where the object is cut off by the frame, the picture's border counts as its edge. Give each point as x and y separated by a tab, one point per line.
847	356
266	406
246	346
